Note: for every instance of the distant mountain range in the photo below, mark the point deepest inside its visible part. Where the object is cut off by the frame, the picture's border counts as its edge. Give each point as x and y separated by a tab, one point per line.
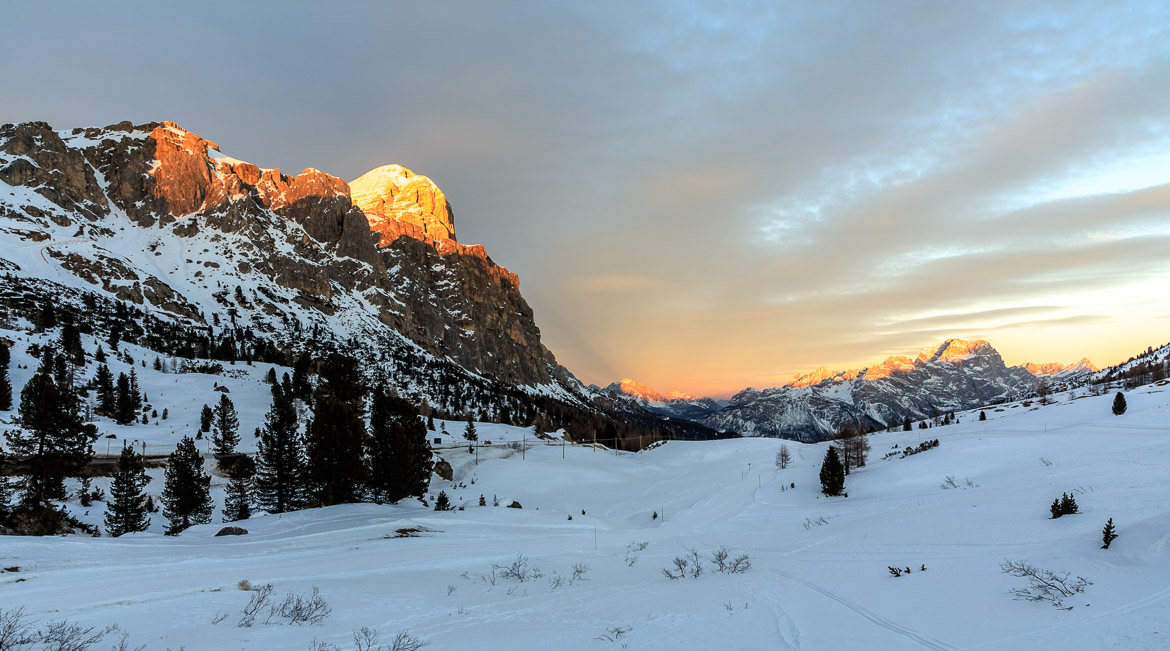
952	375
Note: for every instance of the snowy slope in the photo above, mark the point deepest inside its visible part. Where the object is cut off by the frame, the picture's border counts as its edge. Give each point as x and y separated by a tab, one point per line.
819	576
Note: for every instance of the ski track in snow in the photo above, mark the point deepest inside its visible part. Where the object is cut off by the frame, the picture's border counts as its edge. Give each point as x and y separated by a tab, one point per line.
904	631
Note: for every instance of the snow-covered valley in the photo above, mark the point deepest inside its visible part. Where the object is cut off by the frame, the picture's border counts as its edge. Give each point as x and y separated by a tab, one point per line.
819	575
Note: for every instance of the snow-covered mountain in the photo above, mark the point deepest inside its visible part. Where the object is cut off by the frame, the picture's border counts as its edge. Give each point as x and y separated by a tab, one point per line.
952	375
675	404
154	219
1061	372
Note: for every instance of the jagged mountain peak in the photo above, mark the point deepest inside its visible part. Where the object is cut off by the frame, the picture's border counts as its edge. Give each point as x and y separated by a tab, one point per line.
1052	369
954	349
398	201
637	389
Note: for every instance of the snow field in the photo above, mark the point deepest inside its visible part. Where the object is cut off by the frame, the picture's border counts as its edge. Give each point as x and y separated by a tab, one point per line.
818	577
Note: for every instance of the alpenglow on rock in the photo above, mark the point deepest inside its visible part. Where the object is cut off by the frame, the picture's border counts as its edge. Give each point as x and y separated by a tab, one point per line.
953	375
154	215
397	202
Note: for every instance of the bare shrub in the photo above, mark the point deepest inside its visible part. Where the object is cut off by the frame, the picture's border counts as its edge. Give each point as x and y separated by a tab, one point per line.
1043	584
302	609
689	565
518	569
739	564
404	641
579	572
366	639
63	636
260	598
614	634
14	630
633	552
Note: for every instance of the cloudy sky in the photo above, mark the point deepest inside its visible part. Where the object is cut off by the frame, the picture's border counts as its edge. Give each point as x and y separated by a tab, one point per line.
702	196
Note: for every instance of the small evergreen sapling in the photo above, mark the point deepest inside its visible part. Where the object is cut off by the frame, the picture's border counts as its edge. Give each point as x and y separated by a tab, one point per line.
205	417
443	503
225	426
1108	534
832	473
1119	405
128	508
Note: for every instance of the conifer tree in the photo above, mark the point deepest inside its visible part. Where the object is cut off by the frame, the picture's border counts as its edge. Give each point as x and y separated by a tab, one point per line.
107	393
5	382
1119	405
71	344
205	417
280	466
400	460
442	502
124	413
238	503
135	392
1068	504
127	511
5	489
336	440
982	415
469	432
907	426
100	355
336	459
1108	534
225	426
302	387
1055	508
186	493
832	473
52	439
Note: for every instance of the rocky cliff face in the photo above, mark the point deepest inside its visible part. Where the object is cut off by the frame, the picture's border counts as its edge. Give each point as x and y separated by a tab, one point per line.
953	375
154	215
398	202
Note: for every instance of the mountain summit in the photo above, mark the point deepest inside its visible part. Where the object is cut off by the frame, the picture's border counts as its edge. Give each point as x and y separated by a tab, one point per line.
397	202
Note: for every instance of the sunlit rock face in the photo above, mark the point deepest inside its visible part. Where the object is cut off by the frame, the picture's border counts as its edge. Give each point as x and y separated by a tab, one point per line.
399	202
1058	371
167	220
676	404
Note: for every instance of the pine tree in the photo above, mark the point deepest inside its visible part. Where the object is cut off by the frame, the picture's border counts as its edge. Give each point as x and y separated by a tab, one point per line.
400	460
124	413
1055	509
238	503
186	493
302	387
832	473
127	511
337	468
336	460
1108	534
225	426
442	502
135	392
100	355
982	415
280	466
205	417
5	382
52	439
783	457
469	432
5	489
907	426
71	344
1119	405
107	393
1068	505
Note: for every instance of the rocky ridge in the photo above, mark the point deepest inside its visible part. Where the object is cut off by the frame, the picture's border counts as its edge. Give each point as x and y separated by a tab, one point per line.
150	214
952	375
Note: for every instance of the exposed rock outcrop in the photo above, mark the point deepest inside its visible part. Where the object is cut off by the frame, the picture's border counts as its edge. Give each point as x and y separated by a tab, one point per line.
214	223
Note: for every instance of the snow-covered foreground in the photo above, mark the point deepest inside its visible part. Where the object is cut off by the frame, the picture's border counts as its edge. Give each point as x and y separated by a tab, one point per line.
819	577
